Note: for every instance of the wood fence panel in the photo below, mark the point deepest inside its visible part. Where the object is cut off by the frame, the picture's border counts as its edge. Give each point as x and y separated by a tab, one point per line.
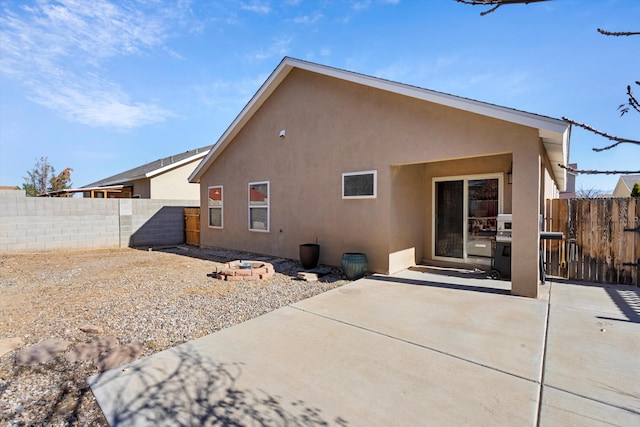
632	241
192	226
617	237
562	209
571	235
602	240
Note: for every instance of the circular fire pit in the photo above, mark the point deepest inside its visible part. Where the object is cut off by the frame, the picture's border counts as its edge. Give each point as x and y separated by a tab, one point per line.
245	270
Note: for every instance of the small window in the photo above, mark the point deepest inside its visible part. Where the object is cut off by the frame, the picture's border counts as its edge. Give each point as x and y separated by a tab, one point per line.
359	185
259	206
215	207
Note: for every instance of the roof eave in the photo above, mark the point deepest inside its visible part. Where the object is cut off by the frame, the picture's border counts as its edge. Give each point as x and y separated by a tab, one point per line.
555	133
176	164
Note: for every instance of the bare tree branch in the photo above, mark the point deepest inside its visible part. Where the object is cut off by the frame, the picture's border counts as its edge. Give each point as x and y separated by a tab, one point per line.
617	139
597	172
633	102
618	34
496	3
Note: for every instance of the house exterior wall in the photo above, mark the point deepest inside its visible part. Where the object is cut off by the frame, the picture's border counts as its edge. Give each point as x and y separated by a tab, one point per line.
407	216
142	189
621	189
334	126
174	184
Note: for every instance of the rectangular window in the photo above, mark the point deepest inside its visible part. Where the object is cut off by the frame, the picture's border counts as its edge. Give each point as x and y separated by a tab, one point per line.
259	206
215	207
359	185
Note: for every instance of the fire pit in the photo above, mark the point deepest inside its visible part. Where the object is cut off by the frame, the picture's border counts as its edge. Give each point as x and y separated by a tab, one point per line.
245	270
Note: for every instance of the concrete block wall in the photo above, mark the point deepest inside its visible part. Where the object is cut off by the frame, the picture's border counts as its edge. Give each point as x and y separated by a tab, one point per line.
153	222
30	224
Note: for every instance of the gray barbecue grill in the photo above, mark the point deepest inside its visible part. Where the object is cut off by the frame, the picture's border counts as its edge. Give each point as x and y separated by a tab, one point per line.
501	260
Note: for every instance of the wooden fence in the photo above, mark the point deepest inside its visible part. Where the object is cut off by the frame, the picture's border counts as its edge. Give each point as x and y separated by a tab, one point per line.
602	240
192	226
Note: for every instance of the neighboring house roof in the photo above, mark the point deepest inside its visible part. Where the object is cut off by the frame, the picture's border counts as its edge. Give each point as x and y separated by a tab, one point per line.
554	133
625	185
153	168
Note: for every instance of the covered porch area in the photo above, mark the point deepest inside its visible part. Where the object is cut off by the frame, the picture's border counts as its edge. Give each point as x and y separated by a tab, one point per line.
445	212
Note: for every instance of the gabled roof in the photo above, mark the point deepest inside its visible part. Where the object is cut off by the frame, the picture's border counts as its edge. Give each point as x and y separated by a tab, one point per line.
630	180
153	168
554	133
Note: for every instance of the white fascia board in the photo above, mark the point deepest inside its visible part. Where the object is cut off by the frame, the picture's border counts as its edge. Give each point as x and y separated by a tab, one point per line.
176	164
106	187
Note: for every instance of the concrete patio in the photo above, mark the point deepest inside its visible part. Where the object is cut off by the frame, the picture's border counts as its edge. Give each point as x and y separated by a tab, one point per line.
426	346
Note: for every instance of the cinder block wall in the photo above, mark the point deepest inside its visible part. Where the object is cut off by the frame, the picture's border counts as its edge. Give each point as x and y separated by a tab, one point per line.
153	222
30	224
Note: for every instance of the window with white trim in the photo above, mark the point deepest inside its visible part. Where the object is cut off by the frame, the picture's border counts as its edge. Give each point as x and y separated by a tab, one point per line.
360	185
259	206
216	213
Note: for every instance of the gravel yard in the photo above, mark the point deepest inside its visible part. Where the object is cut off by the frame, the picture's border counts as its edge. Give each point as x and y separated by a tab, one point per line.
155	299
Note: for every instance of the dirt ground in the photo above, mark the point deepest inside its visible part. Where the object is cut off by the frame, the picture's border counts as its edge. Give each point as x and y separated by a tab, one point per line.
159	298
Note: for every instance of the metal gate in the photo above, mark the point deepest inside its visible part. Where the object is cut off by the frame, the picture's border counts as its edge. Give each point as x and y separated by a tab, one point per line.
192	226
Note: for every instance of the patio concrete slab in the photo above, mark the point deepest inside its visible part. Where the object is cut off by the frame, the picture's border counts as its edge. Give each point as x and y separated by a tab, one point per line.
593	347
414	348
561	409
290	366
466	317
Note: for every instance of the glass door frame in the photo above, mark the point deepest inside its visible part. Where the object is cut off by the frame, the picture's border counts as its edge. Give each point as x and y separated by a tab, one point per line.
465	189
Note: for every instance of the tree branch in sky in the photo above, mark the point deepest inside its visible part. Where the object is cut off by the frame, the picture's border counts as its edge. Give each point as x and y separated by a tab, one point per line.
618	140
597	172
496	3
618	34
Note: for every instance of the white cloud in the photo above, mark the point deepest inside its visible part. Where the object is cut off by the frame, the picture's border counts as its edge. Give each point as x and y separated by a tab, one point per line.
256	7
280	47
361	5
308	19
229	96
56	49
95	102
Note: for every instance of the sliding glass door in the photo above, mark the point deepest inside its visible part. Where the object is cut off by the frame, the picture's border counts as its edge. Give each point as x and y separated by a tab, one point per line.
465	211
449	219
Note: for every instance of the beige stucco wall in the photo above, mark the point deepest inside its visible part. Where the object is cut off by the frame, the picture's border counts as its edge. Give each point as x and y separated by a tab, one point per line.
333	126
174	184
621	189
407	216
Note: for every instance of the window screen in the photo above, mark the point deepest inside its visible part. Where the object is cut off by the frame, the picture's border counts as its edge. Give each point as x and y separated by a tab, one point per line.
359	185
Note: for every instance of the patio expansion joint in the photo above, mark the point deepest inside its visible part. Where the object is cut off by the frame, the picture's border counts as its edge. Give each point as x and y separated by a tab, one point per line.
544	356
422	346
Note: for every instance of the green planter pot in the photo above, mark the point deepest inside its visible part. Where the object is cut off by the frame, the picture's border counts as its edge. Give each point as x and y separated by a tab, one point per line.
354	265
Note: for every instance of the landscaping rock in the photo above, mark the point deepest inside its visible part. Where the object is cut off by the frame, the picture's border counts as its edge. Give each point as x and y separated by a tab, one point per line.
8	344
91	329
309	277
42	352
91	350
119	355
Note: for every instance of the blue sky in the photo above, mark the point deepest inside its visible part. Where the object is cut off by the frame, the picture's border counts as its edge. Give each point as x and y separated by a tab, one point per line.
104	86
